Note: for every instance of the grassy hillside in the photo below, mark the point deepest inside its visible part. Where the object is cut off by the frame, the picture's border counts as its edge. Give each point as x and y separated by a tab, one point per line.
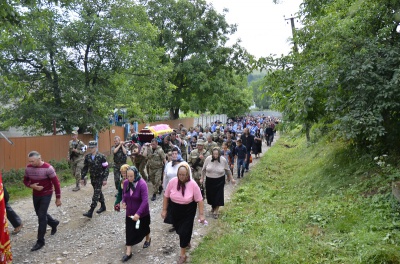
318	204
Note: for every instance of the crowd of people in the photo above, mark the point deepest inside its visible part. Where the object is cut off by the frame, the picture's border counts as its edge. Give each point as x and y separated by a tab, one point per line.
186	167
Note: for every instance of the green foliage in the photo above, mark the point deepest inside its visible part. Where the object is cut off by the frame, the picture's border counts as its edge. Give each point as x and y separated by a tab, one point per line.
319	203
346	73
72	63
193	36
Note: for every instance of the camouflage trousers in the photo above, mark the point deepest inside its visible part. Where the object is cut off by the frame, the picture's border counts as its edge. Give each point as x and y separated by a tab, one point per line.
117	174
141	167
97	192
196	174
76	167
155	178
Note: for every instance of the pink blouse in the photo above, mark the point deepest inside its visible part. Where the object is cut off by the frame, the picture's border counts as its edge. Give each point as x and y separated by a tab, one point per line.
192	192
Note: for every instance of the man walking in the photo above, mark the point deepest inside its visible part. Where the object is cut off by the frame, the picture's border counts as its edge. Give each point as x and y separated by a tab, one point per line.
97	165
196	160
155	163
76	152
42	178
119	151
247	141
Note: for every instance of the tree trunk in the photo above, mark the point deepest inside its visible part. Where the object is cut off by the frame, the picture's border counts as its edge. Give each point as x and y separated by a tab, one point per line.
174	113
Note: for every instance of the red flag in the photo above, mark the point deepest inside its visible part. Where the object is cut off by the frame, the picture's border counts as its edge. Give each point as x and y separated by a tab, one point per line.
5	245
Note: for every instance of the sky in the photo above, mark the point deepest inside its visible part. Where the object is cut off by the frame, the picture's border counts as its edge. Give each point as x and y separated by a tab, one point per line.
261	24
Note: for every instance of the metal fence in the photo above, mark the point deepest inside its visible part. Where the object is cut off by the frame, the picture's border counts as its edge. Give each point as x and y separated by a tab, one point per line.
207	120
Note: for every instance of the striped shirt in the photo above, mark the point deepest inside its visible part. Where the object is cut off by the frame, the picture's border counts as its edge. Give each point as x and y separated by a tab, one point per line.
45	176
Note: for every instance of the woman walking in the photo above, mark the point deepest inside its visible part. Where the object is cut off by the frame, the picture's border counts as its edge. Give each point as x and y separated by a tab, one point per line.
181	196
135	200
214	170
170	172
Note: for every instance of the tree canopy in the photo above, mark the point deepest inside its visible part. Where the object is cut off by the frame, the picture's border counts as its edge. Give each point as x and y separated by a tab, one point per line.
346	74
75	61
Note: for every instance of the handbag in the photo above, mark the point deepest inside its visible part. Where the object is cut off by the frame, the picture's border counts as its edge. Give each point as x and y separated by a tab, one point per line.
251	158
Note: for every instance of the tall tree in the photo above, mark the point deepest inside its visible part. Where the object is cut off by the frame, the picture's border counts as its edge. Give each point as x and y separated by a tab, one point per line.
347	71
194	35
74	64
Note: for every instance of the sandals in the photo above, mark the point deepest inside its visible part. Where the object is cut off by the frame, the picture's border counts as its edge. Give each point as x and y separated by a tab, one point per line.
182	259
215	215
17	229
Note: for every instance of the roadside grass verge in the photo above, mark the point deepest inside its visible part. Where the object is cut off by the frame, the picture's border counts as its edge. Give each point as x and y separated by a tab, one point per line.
319	204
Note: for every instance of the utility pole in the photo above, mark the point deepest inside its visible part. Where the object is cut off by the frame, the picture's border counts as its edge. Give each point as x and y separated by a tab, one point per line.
295	49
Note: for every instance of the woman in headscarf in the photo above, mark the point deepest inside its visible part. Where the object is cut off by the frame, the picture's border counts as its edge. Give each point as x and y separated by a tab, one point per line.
180	196
124	168
135	200
214	170
170	172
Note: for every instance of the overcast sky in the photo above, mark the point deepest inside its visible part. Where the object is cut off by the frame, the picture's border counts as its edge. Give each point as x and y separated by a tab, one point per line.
261	25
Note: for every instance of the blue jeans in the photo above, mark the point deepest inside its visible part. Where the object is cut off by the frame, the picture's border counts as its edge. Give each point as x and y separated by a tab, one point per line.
240	163
41	204
248	160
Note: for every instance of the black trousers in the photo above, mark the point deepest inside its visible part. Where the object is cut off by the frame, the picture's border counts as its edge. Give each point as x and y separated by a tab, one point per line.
12	216
41	204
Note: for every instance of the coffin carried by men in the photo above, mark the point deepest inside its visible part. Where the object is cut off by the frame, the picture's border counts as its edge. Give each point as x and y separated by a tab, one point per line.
150	132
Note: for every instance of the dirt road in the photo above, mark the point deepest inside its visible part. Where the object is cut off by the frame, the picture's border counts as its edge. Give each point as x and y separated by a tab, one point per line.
102	238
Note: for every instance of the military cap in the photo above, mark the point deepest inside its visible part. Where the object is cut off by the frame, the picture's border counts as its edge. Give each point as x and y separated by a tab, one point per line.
200	142
92	144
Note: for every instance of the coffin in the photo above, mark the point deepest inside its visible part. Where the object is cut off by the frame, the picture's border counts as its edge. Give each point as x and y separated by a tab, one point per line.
150	132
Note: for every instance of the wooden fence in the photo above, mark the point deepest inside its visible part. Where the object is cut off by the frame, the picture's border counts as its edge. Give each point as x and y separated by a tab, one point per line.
56	147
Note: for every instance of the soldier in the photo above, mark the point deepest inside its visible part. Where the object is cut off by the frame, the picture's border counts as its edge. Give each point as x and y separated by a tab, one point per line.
184	143
210	144
155	163
218	137
97	165
196	160
76	152
119	152
140	160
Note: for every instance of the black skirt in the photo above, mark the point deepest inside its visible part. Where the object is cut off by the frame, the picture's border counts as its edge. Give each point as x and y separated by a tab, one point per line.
168	217
183	217
133	235
215	191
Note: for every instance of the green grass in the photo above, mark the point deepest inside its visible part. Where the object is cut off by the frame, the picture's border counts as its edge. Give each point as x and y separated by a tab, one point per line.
324	203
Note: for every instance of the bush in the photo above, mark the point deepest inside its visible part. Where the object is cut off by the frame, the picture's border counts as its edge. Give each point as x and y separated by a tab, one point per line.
13	176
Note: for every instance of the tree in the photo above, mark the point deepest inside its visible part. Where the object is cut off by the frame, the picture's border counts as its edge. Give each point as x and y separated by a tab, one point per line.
194	35
346	74
73	65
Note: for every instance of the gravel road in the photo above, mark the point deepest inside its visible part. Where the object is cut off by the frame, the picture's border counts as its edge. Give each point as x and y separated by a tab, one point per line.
102	238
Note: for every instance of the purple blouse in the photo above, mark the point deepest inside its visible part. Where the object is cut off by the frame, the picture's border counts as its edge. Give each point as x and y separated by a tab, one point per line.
138	202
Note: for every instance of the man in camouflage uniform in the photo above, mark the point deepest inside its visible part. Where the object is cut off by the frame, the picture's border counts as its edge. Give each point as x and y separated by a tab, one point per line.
210	144
155	163
196	160
119	152
139	160
97	165
184	143
218	137
76	151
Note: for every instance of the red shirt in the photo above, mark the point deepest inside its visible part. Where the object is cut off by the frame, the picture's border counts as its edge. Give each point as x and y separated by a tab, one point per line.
45	176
